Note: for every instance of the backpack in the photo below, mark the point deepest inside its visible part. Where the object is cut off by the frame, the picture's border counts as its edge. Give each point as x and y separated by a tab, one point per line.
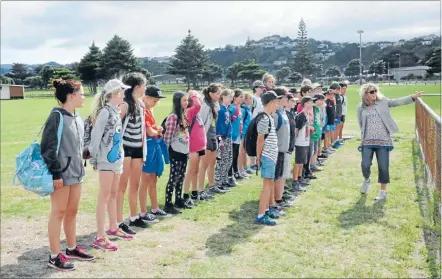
163	124
31	169
252	135
279	124
87	137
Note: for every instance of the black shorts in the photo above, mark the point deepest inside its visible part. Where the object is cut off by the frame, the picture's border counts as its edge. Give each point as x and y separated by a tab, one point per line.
133	152
279	170
343	118
301	154
202	153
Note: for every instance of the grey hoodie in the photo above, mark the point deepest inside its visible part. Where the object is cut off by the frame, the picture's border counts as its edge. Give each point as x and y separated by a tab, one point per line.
68	164
106	140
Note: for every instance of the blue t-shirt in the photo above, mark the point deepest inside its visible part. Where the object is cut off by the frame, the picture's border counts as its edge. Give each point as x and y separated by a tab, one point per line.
236	122
247	115
223	122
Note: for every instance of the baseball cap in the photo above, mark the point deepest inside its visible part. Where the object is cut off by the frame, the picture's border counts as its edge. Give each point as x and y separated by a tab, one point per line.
258	83
154	92
114	85
306	81
268	97
306	99
280	91
334	86
293	90
318	97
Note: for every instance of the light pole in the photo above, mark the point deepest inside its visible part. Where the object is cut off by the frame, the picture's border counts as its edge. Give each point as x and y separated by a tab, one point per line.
360	56
398	55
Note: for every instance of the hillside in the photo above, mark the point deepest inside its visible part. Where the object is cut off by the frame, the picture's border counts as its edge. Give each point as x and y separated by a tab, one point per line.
272	53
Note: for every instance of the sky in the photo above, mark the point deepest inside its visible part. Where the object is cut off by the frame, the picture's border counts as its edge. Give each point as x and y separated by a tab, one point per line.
39	32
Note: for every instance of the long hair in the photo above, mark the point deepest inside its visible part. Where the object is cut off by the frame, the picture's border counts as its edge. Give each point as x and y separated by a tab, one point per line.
225	92
100	100
177	109
212	88
367	87
133	80
237	93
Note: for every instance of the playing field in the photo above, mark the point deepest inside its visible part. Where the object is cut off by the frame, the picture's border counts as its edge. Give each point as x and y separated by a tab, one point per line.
332	231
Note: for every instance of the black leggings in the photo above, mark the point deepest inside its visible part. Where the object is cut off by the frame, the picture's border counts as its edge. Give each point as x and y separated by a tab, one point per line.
234	168
178	164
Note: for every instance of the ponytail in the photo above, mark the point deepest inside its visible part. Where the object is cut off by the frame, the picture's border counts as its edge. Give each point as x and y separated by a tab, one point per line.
212	88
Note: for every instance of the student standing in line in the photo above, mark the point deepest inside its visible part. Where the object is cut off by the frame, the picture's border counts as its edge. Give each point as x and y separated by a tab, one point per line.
209	114
132	114
153	164
107	153
197	148
258	88
246	113
67	172
176	136
344	109
238	99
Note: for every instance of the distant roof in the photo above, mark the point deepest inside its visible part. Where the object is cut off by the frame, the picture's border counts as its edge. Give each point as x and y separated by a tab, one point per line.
411	68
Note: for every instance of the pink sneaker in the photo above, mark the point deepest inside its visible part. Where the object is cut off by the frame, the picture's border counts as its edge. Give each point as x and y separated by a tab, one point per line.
120	233
104	243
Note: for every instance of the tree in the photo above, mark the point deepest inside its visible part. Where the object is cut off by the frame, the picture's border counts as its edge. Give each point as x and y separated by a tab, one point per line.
37	69
211	73
302	60
410	76
118	58
377	67
20	72
89	67
189	59
434	61
64	73
283	74
407	58
46	75
333	72
295	77
353	68
250	72
249	51
34	82
233	72
6	80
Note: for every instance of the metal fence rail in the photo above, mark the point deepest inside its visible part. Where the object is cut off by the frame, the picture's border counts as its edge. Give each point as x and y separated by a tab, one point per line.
428	135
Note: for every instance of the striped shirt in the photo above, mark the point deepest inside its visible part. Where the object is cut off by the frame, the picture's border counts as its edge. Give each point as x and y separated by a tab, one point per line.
132	136
270	149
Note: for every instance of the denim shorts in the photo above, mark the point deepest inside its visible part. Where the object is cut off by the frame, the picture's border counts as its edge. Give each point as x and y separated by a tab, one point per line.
315	146
267	168
330	128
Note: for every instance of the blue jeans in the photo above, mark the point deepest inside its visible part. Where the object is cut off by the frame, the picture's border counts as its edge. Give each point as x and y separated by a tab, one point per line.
383	158
268	168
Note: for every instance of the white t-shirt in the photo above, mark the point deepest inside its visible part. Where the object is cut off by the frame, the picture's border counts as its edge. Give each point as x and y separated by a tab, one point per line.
344	104
256	106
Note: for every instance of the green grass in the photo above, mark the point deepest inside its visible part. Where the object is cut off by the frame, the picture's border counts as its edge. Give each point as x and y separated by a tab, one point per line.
331	232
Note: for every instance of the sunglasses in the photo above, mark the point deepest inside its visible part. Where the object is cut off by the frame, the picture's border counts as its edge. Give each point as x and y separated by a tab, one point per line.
371	92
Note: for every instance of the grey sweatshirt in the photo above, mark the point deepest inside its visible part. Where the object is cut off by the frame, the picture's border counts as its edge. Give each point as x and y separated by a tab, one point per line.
206	115
106	140
68	164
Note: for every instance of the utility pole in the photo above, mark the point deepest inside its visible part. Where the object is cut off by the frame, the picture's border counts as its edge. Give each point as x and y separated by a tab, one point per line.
360	56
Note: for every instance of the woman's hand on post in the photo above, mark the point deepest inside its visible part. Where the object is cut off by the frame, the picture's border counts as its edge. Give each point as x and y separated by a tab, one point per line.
417	95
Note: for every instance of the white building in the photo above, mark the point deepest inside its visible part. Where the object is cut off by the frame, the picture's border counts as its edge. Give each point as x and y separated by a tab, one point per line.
398	73
426	43
280	62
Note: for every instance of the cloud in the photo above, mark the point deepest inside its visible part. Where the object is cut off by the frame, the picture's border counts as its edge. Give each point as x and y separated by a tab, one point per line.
35	32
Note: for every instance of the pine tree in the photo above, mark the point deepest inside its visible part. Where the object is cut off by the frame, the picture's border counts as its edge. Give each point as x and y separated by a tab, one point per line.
118	58
302	60
89	67
189	60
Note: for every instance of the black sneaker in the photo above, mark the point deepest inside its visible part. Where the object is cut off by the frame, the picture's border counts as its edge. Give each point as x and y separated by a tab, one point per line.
238	176
138	223
149	218
232	182
182	204
160	213
196	198
225	188
80	254
190	203
125	228
216	190
169	208
61	263
206	196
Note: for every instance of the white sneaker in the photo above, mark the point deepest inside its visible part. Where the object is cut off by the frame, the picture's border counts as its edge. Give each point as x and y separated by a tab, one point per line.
365	185
382	195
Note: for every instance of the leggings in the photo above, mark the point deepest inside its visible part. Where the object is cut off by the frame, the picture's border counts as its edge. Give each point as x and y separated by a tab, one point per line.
178	164
235	151
306	167
223	162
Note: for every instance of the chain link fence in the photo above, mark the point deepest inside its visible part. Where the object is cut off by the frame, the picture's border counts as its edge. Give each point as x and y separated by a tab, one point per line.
428	135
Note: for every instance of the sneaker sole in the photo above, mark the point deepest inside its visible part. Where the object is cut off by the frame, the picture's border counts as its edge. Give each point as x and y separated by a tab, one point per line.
121	237
139	226
79	258
264	224
60	269
156	221
104	249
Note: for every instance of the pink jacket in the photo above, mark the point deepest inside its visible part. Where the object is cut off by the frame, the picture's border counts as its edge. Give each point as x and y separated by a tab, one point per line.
197	137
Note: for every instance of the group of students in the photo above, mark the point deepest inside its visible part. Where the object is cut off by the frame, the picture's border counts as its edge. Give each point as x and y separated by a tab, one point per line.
204	135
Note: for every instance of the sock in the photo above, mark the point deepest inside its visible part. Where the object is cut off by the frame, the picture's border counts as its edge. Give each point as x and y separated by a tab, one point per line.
53	256
278	201
72	249
142	214
155	210
186	196
267	210
194	193
260	215
299	178
133	218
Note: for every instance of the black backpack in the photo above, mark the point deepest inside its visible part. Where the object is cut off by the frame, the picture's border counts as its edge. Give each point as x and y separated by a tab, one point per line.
252	134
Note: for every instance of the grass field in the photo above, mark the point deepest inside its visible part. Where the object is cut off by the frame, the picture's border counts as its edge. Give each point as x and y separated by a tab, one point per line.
332	231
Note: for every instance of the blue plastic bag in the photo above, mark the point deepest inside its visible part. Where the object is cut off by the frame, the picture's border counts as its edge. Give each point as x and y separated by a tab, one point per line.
32	171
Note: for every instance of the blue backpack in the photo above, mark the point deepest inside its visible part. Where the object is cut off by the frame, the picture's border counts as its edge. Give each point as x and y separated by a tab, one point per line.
32	171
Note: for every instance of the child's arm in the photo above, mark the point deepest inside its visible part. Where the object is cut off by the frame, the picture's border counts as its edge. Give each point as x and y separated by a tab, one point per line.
195	109
98	131
259	148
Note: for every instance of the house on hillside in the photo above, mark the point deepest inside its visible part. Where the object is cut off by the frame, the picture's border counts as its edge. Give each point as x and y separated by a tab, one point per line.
279	62
427	43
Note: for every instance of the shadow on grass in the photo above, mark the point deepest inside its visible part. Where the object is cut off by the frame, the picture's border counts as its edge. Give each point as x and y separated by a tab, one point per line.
427	197
223	242
360	213
33	263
